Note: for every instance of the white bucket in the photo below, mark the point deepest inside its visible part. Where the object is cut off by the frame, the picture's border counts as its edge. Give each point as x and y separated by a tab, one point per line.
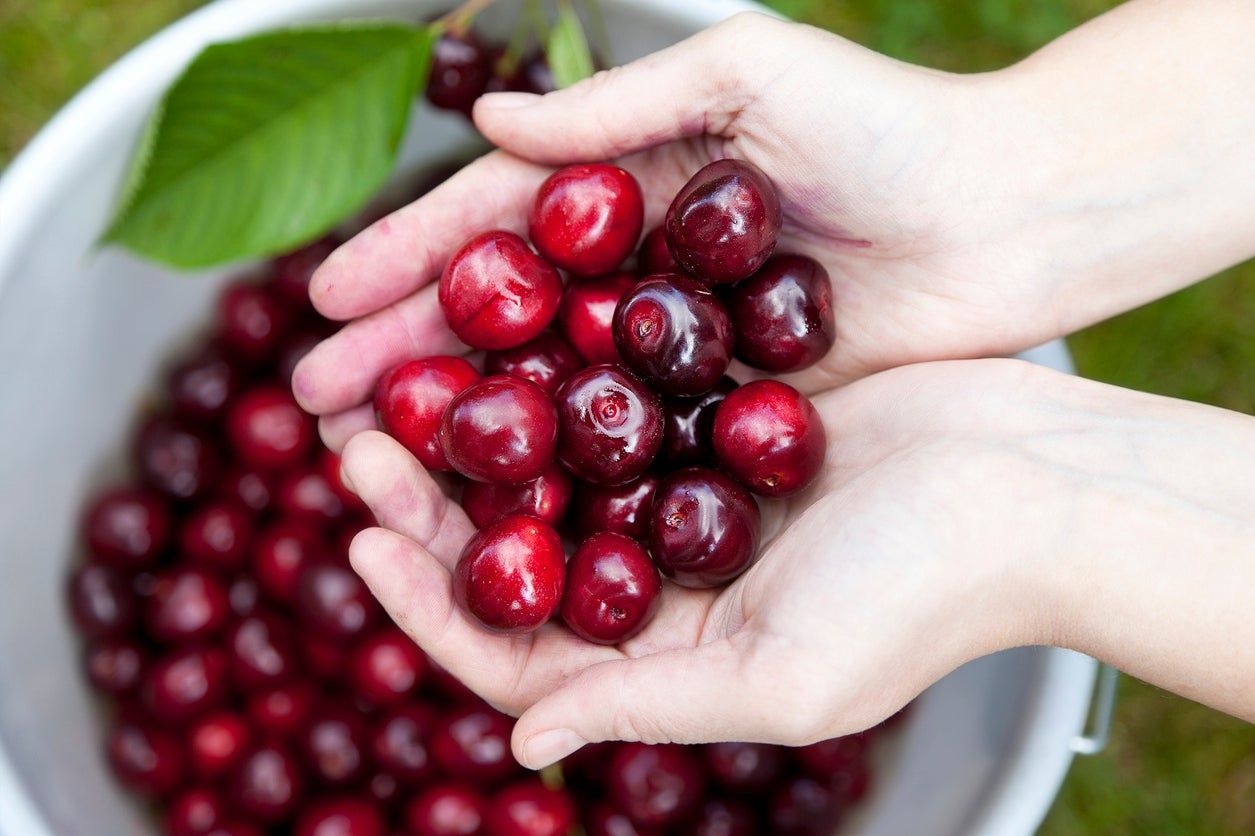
82	336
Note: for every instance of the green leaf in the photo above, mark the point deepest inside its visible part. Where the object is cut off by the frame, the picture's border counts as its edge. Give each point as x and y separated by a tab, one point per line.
567	51
266	143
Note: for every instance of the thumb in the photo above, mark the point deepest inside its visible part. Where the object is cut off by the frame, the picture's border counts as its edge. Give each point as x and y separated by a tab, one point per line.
697	86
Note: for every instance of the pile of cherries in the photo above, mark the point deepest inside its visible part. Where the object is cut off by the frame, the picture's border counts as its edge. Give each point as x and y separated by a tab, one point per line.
465	67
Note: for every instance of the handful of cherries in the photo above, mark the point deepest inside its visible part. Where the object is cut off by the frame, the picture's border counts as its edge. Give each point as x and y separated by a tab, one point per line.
622	421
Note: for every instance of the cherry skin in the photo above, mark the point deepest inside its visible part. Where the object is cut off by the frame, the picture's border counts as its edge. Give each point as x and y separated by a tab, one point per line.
654	257
296	345
341	817
202	385
185	684
387	667
115	666
325	659
411	398
546	498
127	528
250	321
529	808
496	293
217	743
831	757
689	424
501	429
250	488
722	226
187	604
334	602
235	828
586	316
175	458
783	315
196	812
217	535
656	786
280	554
547	360
267	430
268	784
612	589
675	334
146	760
473	744
770	437
747	767
605	820
101	601
803	806
450	687
611	425
725	817
510	575
460	69
623	509
401	743
291	272
263	652
283	711
703	528
587	218
336	745
305	494
446	809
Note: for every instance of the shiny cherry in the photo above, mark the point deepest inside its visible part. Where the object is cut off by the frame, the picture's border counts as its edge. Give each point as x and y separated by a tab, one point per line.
689	424
341	817
770	437
612	589
336	745
195	812
202	385
411	398
251	322
306	494
587	218
175	458
546	498
446	809
529	808
501	429
217	743
656	786
783	315
654	257
510	575
115	666
262	651
744	767
102	602
586	316
217	535
460	69
280	553
127	528
722	226
334	602
496	293
247	487
267	430
185	684
703	528
473	744
623	509
611	425
187	604
726	817
546	360
401	743
387	667
148	761
283	711
803	806
268	784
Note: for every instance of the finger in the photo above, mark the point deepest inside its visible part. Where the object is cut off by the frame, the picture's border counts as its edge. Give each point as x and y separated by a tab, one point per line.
695	87
406	250
336	429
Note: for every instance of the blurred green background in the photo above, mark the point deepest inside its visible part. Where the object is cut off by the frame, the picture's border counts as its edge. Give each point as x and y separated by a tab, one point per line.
1173	767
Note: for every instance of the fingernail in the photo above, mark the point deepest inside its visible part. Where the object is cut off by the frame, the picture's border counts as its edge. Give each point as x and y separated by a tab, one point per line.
508	101
545	748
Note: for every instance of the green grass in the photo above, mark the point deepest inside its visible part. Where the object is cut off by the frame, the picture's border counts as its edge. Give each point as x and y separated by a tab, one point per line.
1173	767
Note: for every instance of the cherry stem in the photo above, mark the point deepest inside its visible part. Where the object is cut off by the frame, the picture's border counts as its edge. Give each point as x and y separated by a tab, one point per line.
460	18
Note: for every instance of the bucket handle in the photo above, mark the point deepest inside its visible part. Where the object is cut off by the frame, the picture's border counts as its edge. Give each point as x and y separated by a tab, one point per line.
1097	731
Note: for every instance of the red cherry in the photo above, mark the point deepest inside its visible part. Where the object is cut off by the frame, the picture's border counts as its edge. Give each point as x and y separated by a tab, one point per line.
703	528
251	489
329	466
612	589
243	595
185	684
501	429
250	321
336	745
411	398
268	785
656	786
280	554
654	257
217	744
623	509
804	806
147	761
176	459
546	498
547	360
217	535
195	812
496	293
744	767
283	711
291	272
605	820
127	528
586	316
473	744
325	659
115	666
401	743
101	602
187	605
387	667
611	425
333	601
235	828
297	345
726	817
447	809
449	686
510	575
827	758
770	437
340	817
267	430
689	425
587	218
262	652
783	314
529	808
460	69
202	385
306	494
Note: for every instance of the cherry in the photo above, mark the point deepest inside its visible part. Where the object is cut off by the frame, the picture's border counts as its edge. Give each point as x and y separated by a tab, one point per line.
146	760
460	69
723	224
387	667
546	498
401	743
217	535
291	272
547	360
587	218
383	789
689	424
296	345
674	333
605	820
656	786
262	651
102	603
127	528
251	489
333	601
196	812
501	429
268	784
411	398
586	316
115	666
329	466
250	321
217	743
176	459
770	437
611	425
725	817
803	806
340	817
185	684
783	315
612	589
529	808
703	528
473	744
336	745
830	757
510	575
187	604
306	494
202	385
447	809
449	686
496	293
280	554
235	828
532	75
623	509
654	257
744	767
283	711
324	658
267	430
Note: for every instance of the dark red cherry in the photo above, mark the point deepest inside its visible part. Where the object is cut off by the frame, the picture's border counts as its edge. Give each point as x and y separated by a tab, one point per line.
250	321
329	466
387	667
250	488
656	786
145	760
325	659
783	315
236	828
195	812
202	385
243	595
460	69
703	528
268	785
401	743
586	316
496	293
187	604
127	528
804	806
450	687
473	744
689	424
744	767
336	745
217	535
115	666
501	429
546	498
305	494
102	603
283	711
267	430
587	218
623	509
411	399
217	743
296	345
176	459
770	437
611	425
446	809
510	575
547	360
722	226
334	602
529	808
653	257
830	757
612	589
291	272
262	650
341	817
675	333
726	817
605	820
281	553
185	684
